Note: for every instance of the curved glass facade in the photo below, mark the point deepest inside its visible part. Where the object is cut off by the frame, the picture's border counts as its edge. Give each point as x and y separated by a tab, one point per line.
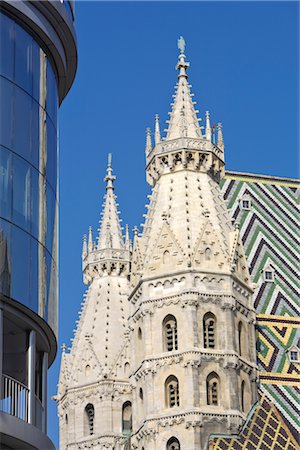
28	172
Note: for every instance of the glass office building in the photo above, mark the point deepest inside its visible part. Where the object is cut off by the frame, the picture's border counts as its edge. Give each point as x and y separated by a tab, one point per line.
38	59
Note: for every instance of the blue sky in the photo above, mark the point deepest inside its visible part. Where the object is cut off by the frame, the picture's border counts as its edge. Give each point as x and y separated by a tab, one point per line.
244	70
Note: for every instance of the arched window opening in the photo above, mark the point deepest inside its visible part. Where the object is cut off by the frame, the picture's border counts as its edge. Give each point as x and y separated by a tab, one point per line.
140	334
212	389
209	330
207	254
126	368
141	394
172	391
170	333
89	415
127	419
166	257
241	339
173	444
243	396
87	370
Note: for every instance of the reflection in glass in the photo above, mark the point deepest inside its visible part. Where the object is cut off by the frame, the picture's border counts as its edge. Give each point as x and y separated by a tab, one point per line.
23	59
21	193
6	113
7	28
28	172
22	123
5	183
20	265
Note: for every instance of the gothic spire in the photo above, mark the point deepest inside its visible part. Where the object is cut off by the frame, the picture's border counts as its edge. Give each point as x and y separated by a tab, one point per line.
207	126
148	141
183	118
110	230
220	137
157	130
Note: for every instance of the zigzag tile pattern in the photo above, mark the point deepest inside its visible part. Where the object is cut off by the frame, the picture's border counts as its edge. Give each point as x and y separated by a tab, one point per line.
271	237
263	430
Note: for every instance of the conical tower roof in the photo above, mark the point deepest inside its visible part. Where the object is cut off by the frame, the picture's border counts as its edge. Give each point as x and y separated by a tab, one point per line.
110	235
183	117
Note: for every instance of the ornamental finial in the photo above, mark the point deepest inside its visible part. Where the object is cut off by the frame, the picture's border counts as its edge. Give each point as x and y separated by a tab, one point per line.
181	44
109	179
182	65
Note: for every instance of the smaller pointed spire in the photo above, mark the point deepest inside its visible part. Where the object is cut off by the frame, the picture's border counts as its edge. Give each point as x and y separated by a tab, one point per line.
84	246
110	235
148	141
208	127
127	239
220	137
90	241
157	130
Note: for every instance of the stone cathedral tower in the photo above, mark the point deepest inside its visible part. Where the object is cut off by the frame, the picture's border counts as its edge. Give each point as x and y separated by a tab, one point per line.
164	352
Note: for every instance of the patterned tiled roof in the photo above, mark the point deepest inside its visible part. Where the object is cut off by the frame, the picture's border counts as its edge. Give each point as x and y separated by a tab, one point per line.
271	238
264	430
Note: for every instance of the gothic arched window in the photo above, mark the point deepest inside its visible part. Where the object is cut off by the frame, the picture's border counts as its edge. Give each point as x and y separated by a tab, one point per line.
207	254
209	330
89	414
241	339
140	336
127	418
87	370
243	396
166	257
173	444
212	389
141	394
170	333
172	391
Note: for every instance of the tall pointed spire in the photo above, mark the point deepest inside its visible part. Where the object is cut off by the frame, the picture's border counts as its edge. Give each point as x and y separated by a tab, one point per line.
90	240
110	231
183	118
127	239
220	137
157	130
84	247
148	141
207	127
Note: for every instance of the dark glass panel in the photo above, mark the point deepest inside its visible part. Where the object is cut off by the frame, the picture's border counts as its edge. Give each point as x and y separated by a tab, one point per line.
36	52
5	183
20	265
52	98
7	27
23	59
5	258
22	128
21	211
35	134
6	112
51	170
